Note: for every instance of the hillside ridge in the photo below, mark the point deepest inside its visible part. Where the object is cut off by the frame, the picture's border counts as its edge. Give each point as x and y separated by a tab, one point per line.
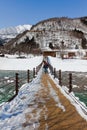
52	31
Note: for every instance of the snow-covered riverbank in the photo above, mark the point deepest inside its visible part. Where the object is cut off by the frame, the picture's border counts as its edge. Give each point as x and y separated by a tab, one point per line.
13	63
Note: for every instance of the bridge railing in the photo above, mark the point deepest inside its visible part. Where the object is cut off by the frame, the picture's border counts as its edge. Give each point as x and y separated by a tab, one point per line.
10	86
68	79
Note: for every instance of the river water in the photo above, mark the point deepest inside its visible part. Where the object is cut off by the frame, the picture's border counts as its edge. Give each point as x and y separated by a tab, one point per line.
79	84
7	84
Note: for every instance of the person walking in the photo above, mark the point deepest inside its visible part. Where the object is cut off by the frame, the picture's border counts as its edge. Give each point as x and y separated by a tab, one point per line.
45	66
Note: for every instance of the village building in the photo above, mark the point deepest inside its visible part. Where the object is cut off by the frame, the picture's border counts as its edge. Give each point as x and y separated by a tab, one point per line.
66	53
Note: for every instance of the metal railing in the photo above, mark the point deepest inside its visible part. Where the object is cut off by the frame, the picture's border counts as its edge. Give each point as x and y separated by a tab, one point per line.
10	86
71	79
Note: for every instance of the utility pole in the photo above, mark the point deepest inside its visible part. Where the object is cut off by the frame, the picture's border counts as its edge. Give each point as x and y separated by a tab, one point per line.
62	47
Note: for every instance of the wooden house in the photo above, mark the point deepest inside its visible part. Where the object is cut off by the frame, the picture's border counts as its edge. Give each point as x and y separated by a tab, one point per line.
71	54
49	53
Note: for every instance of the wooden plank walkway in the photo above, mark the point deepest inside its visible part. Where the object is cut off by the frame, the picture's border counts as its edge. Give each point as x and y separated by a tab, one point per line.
57	113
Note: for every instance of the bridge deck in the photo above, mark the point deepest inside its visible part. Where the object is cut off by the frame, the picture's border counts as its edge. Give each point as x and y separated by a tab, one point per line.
56	112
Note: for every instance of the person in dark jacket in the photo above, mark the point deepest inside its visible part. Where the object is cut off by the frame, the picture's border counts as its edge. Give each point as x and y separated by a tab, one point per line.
45	66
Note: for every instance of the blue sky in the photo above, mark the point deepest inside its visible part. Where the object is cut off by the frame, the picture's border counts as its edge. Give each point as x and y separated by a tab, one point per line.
19	12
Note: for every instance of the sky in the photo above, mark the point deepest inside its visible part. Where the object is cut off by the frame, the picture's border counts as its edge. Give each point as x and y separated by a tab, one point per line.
19	12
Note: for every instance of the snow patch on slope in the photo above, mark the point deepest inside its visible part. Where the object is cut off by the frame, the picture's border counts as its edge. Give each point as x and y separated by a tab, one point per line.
12	32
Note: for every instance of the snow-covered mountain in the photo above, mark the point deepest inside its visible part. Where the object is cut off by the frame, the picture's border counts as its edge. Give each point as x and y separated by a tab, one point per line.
53	32
11	32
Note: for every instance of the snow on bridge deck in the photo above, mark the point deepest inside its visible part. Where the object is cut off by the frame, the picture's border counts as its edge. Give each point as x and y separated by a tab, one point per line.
54	111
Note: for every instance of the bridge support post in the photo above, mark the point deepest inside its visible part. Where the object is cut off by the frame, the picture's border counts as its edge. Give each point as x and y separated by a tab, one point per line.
60	82
54	73
70	82
28	76
16	84
33	72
